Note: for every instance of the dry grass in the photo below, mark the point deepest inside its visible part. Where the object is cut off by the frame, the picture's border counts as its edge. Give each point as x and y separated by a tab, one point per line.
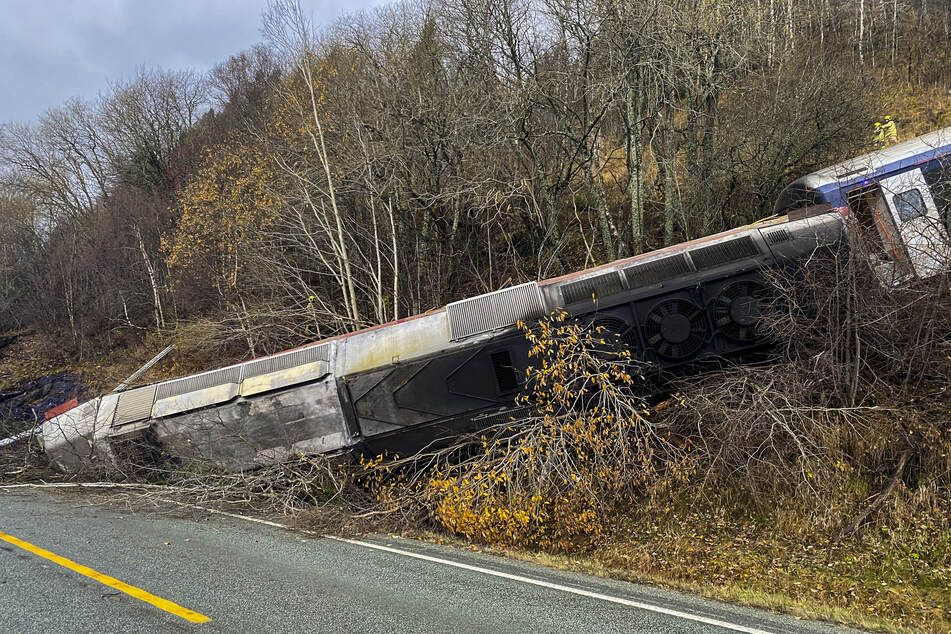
895	578
28	356
916	109
31	356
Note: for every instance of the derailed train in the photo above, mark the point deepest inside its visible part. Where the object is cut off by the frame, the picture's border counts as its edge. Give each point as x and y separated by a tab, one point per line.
400	385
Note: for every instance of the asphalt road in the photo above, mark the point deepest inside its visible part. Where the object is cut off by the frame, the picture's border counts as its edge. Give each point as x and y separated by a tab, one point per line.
247	577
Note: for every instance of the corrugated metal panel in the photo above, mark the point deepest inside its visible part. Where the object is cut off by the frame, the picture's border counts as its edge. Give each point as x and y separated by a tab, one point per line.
286	360
724	252
492	311
603	285
779	235
199	382
134	405
656	271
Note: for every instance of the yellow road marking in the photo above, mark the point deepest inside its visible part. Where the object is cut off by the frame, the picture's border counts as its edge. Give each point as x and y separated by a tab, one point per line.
132	591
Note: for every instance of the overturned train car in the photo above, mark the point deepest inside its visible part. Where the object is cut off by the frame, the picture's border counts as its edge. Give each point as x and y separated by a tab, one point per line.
399	386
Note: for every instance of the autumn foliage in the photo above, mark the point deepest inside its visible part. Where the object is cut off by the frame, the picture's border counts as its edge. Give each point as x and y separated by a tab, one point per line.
224	208
582	449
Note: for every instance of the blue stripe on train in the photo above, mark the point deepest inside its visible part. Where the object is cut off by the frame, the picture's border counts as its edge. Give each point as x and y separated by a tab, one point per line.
836	194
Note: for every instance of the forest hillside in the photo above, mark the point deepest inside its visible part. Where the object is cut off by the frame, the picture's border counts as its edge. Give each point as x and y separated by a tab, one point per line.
337	178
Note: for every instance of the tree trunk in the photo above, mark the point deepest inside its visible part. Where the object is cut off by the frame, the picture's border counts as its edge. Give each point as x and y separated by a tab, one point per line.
156	297
862	32
666	153
635	164
321	148
596	191
396	260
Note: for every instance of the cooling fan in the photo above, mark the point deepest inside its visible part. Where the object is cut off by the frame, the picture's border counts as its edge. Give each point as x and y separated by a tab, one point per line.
737	310
616	332
676	328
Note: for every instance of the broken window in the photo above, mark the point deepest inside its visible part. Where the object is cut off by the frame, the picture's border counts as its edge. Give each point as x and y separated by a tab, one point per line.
910	205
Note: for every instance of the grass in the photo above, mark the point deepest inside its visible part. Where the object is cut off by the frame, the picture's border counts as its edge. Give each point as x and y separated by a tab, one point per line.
893	577
736	593
29	356
917	109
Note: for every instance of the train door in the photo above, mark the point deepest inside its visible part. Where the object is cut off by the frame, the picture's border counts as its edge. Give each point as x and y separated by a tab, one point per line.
879	235
908	200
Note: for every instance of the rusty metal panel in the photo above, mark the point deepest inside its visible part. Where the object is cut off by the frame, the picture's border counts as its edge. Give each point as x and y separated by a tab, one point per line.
134	405
381	347
492	311
286	360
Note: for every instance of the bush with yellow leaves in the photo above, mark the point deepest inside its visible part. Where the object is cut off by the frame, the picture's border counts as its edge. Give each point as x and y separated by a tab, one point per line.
554	477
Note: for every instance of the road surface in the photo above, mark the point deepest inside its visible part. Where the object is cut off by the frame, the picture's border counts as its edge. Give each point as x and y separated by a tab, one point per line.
69	563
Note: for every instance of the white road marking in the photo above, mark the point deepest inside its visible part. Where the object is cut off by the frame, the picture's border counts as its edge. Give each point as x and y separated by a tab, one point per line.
556	586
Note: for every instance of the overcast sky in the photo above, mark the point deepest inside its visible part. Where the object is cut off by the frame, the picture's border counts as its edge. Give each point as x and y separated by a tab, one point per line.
51	50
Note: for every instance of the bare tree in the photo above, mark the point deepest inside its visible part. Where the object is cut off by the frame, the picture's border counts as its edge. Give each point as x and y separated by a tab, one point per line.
290	31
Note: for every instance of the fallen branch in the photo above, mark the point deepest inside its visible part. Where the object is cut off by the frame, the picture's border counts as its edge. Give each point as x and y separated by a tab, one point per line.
95	485
857	523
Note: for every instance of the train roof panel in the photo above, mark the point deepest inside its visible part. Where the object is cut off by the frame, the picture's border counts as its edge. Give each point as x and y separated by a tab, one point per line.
905	154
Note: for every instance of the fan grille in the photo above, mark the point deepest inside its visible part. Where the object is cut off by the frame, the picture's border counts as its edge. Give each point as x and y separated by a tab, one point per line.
737	309
676	328
616	332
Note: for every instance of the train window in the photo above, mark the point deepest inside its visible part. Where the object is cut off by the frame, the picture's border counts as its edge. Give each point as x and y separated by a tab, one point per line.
796	196
909	205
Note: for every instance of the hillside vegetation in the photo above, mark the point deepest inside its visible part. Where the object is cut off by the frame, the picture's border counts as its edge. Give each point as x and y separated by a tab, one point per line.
329	180
336	178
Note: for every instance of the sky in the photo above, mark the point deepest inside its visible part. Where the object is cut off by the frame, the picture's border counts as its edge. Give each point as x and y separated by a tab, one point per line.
52	50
